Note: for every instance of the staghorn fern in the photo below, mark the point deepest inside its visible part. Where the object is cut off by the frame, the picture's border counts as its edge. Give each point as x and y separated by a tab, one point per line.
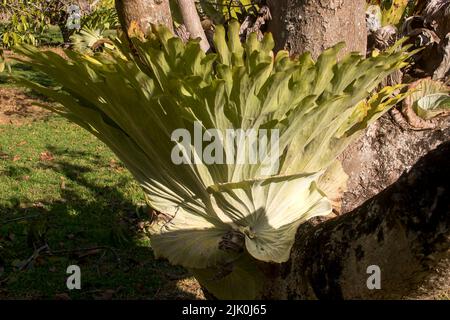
428	98
86	40
222	220
392	12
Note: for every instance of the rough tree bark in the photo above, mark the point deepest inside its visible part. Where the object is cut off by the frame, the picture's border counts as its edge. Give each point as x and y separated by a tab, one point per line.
144	13
330	260
405	230
310	25
383	154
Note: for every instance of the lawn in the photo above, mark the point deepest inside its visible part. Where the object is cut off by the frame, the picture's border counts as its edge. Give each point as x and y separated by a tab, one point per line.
25	71
66	200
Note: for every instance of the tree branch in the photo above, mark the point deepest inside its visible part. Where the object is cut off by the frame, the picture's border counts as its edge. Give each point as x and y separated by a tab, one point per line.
192	22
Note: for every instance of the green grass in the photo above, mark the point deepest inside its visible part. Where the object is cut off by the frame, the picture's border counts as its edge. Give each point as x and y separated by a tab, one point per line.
25	71
62	188
52	36
78	196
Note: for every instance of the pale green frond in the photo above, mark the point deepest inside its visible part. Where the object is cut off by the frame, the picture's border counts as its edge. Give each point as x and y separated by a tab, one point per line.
268	212
240	280
190	240
433	105
429	98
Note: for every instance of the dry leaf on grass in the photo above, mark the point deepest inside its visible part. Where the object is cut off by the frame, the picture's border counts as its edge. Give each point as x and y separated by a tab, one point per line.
46	156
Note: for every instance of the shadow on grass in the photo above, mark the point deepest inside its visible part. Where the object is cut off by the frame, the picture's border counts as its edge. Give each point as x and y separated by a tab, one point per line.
104	236
26	71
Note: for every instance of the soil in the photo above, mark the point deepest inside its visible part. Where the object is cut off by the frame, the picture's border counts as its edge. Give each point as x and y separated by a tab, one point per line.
18	107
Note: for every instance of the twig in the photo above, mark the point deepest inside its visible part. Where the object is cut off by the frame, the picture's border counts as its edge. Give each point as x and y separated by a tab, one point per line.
20	218
33	257
68	251
228	5
38	252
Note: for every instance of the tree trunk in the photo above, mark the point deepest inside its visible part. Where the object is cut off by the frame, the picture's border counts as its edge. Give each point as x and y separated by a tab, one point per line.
143	13
310	25
66	33
192	22
383	154
404	231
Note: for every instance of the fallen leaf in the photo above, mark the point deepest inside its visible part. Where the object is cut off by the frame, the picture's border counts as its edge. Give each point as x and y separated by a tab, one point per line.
62	296
21	143
46	156
89	253
115	166
40	261
26	178
141	225
105	295
38	205
11	236
16	158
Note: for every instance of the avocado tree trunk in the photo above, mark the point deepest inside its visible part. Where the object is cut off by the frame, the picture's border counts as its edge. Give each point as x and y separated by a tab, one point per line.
65	31
143	13
310	25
